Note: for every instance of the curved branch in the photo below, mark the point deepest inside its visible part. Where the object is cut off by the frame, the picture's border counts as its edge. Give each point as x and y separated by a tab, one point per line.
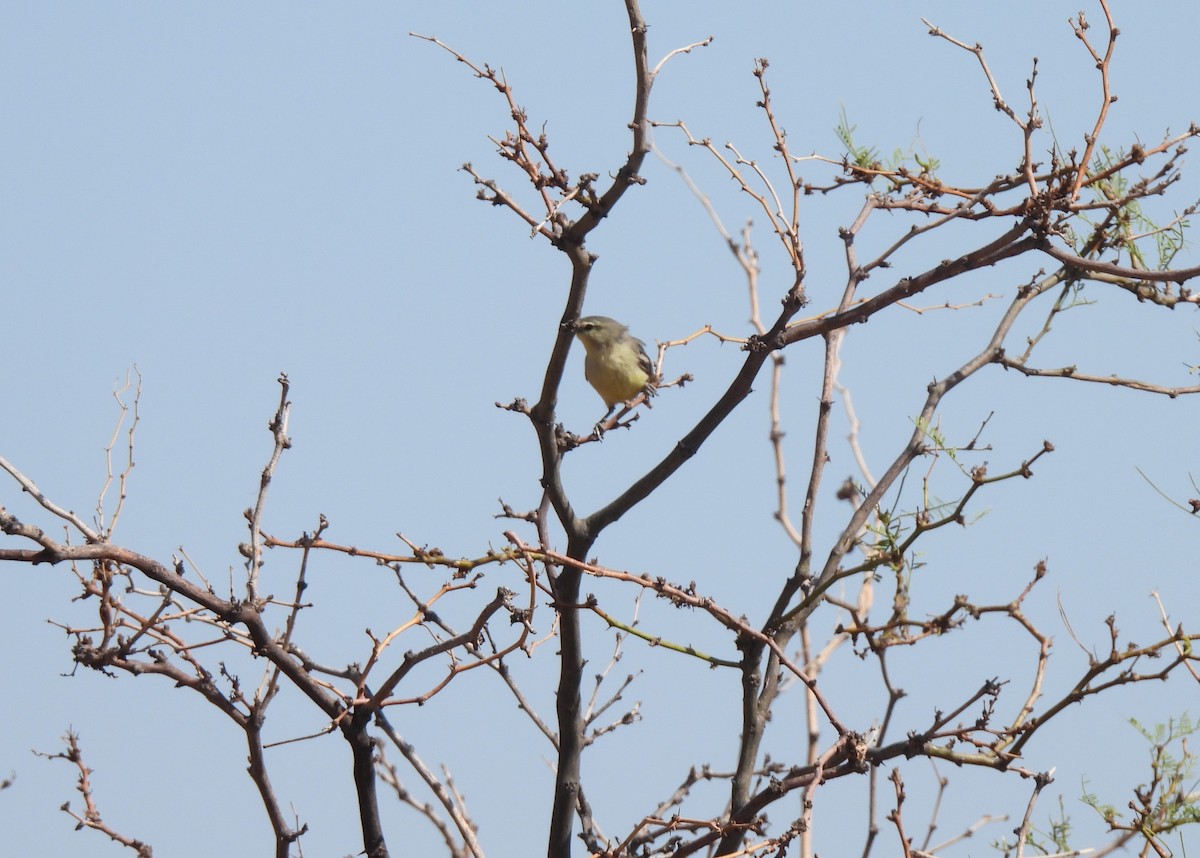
1096	266
627	175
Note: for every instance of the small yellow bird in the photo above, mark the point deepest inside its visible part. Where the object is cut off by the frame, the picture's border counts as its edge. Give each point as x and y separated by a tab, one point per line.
616	364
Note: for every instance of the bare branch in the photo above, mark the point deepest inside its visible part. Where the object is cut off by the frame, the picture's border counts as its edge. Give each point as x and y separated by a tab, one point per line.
90	817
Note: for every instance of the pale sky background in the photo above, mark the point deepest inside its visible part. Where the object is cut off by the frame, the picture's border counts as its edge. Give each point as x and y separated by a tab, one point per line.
219	192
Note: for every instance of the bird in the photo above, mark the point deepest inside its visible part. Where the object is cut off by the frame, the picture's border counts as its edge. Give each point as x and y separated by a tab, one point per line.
616	364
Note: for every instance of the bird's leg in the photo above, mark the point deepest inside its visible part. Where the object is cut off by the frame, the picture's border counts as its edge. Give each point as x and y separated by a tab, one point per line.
614	422
598	430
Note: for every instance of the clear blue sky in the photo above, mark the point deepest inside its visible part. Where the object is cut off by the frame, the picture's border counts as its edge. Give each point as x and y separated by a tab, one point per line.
216	193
